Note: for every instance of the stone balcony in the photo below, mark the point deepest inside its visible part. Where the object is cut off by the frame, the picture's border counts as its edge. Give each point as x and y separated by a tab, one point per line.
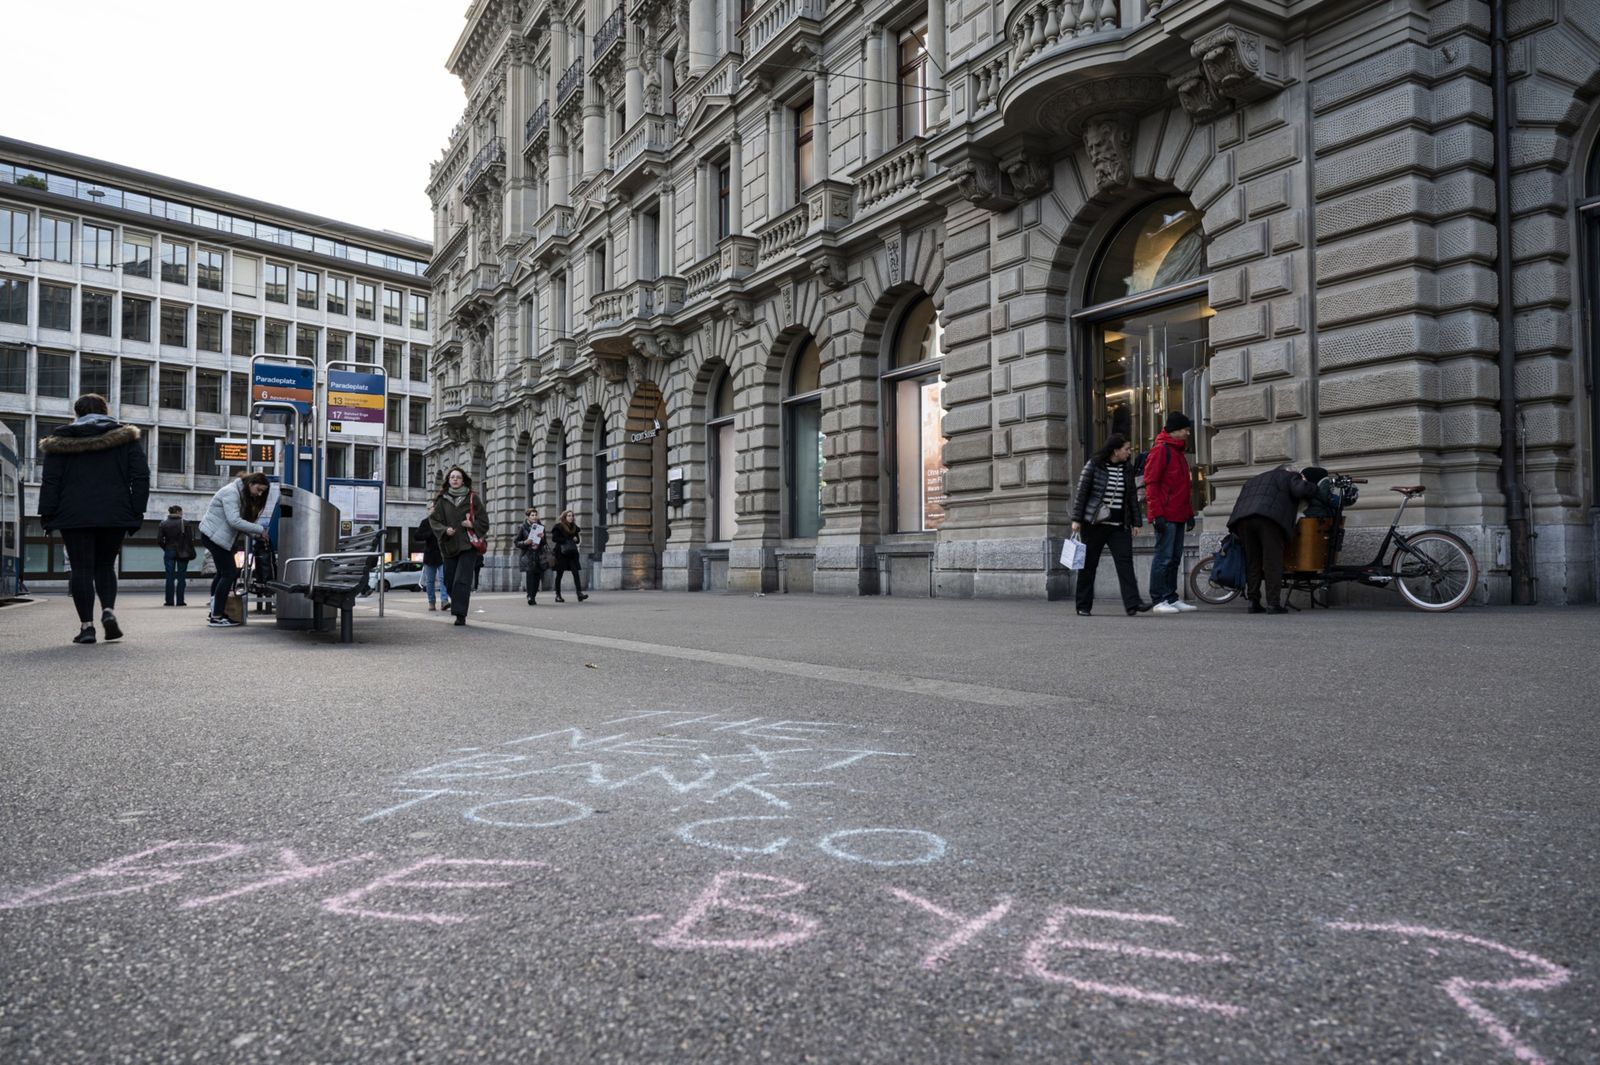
552	233
608	42
486	168
778	237
536	132
476	286
891	176
778	31
460	403
640	155
569	89
732	260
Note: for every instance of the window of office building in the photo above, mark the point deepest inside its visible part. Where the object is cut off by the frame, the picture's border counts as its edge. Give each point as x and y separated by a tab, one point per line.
391	306
419	417
277	283
246	275
135	319
15	232
338	295
721	513
395	471
338	460
14	372
804	164
208	391
135	254
208	269
94	375
205	454
419	363
174	388
135	383
366	462
99	245
416	469
276	338
419	311
239	394
55	239
94	313
802	414
1148	325
366	300
13	301
366	349
305	341
174	263
175	325
305	289
392	350
55	307
172	451
911	91
208	329
338	346
914	441
54	375
244	335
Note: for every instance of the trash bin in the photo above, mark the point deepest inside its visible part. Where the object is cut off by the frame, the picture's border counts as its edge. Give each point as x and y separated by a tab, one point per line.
308	525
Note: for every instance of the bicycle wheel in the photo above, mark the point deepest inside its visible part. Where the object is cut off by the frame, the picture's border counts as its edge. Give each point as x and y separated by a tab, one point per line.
1204	589
1435	571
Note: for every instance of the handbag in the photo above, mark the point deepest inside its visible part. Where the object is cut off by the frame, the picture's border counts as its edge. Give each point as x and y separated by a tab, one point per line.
474	539
1073	552
185	551
1227	566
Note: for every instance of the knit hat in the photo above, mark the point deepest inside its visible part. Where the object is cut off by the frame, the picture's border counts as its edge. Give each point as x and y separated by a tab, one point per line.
1176	420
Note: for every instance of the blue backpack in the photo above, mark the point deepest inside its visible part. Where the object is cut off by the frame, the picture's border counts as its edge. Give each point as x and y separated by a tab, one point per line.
1227	566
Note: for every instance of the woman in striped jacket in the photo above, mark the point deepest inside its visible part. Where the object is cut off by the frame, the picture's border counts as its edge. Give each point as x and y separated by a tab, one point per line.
1105	511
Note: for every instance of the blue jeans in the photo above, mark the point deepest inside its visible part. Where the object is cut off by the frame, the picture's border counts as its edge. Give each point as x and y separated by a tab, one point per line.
177	575
1164	566
432	580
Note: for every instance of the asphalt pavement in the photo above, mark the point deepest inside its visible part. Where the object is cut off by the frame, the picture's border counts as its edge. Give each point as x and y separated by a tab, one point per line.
662	827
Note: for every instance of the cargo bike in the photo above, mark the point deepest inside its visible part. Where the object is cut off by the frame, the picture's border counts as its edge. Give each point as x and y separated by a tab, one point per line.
1433	570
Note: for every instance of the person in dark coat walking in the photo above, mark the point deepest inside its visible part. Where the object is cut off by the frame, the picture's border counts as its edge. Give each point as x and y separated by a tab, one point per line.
432	565
177	551
530	541
1105	511
94	489
456	511
564	537
1263	520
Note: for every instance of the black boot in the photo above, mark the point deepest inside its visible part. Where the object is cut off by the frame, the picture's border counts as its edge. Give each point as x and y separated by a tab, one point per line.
85	634
109	621
1256	607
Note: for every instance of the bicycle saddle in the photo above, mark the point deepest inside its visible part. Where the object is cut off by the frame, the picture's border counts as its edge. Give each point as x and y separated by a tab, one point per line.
1408	489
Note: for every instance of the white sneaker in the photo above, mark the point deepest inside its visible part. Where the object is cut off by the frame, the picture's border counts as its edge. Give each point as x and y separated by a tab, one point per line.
1165	608
1184	607
222	623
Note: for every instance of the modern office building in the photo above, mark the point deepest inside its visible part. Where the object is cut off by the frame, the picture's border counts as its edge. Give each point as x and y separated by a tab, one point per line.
814	296
155	293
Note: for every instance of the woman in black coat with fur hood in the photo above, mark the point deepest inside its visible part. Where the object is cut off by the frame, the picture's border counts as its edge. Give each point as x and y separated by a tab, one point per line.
95	486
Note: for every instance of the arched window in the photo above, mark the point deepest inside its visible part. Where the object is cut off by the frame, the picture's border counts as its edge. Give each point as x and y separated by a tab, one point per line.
913	395
1589	214
722	521
802	415
1149	330
602	509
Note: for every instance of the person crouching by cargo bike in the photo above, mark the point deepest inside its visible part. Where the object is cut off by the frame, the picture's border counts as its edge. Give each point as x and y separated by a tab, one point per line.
457	517
1105	512
1263	519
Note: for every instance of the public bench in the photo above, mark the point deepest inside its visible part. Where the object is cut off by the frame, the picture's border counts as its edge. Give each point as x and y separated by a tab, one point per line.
337	580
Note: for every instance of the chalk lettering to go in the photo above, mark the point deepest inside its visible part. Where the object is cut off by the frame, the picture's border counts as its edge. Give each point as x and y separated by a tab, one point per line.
863	846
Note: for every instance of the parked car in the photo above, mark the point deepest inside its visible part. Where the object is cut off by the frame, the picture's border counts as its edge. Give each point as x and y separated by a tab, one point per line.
397	575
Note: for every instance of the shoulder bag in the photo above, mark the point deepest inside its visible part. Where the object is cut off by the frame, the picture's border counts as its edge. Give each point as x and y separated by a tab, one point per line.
474	538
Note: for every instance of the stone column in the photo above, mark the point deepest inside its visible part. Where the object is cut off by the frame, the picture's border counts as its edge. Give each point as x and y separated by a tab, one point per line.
557	176
873	91
633	83
819	126
936	64
702	36
594	114
518	208
775	161
702	213
735	185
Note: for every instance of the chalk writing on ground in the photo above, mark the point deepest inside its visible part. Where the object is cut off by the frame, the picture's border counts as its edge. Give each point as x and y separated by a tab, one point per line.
757	914
762	781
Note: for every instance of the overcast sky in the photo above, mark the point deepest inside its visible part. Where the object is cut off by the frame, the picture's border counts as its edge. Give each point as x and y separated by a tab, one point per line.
336	107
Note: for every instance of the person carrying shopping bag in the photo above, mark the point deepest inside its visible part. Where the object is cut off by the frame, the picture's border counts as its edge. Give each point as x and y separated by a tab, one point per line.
1105	511
459	520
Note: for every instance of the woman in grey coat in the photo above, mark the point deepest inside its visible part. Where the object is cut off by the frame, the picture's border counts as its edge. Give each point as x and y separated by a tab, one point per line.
230	516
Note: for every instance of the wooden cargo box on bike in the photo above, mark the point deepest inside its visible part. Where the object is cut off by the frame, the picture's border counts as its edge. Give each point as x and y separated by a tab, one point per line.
1307	550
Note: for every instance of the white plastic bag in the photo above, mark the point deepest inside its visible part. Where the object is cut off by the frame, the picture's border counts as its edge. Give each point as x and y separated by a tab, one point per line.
1073	552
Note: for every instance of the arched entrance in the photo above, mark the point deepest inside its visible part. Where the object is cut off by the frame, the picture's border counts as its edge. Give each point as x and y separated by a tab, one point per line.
639	530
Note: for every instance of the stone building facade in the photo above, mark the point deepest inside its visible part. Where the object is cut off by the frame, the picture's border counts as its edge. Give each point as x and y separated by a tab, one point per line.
817	296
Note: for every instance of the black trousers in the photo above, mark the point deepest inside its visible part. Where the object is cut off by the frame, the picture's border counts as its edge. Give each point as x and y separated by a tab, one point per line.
1263	542
1119	538
93	556
460	574
535	576
572	568
227	573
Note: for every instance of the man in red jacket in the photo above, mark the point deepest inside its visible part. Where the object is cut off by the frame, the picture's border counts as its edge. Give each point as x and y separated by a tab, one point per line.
1169	507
